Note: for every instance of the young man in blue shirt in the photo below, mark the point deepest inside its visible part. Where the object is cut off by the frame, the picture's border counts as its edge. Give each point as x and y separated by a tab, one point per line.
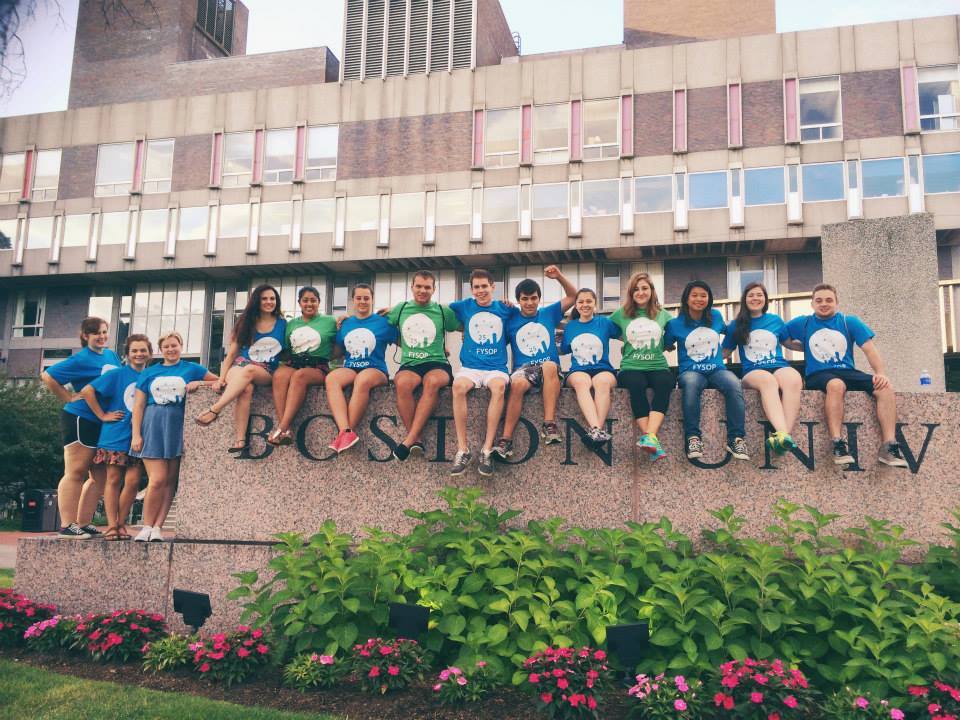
827	338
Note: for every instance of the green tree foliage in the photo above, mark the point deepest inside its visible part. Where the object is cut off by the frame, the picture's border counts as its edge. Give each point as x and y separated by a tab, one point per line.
31	454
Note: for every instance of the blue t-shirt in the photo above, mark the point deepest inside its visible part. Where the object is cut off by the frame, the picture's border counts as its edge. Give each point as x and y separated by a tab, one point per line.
167	384
78	370
589	343
762	350
828	344
532	339
266	347
484	337
698	345
116	391
365	341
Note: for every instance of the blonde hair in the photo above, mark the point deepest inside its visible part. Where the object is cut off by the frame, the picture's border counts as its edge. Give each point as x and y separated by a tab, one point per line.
167	335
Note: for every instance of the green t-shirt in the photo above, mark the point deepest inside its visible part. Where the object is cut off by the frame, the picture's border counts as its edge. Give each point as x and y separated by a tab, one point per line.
422	330
312	338
642	340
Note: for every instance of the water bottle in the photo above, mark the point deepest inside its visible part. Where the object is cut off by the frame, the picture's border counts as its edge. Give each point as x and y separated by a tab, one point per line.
925	378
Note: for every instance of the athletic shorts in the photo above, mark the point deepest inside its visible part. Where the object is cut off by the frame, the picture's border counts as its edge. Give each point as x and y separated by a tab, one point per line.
533	374
481	378
243	362
299	362
593	372
771	370
422	369
115	457
855	380
76	429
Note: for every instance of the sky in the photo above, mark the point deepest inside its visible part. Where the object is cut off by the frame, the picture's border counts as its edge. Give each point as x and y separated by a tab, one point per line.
287	24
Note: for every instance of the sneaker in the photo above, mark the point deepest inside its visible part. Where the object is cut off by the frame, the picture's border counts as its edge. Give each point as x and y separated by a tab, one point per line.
738	448
73	532
156	535
891	455
658	455
694	448
91	530
460	462
773	442
335	443
485	466
504	448
599	436
144	534
648	443
841	456
417	448
401	452
550	433
346	440
786	441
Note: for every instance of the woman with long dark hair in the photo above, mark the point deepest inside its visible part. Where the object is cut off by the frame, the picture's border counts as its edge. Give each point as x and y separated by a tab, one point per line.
696	332
253	357
79	427
756	334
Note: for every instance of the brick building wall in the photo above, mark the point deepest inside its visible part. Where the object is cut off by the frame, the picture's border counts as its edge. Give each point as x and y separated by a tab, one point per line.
762	113
707	118
663	22
653	124
871	104
494	40
191	162
78	171
804	270
65	309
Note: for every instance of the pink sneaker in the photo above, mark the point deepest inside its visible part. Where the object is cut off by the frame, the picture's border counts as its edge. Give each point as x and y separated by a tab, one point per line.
335	445
346	440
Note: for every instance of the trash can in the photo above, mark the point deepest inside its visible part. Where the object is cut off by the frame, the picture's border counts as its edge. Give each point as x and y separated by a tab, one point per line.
40	511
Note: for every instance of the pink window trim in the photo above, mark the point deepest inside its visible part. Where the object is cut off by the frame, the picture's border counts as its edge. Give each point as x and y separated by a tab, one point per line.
680	120
576	143
300	160
791	130
138	161
27	175
734	121
216	159
257	157
526	134
911	105
626	126
478	138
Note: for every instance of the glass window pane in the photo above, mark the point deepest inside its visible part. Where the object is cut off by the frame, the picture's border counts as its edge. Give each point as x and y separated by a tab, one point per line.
823	182
39	232
113	228
276	218
76	231
8	229
234	221
46	173
363	213
407	210
819	101
550	201
551	133
653	194
501	204
939	93
237	156
153	225
601	137
882	178
610	296
11	175
941	173
708	190
159	166
501	139
115	169
601	197
193	223
764	186
319	215
453	207
322	152
281	149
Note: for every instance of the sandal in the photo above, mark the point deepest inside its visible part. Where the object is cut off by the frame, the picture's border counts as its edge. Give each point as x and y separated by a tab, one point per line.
112	533
122	533
211	411
274	437
237	448
285	438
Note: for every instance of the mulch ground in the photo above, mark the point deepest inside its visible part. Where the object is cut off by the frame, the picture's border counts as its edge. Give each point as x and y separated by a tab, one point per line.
346	701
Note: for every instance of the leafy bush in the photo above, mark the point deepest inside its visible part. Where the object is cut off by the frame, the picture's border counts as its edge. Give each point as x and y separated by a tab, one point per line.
662	698
850	704
168	653
231	658
455	687
309	670
760	690
53	634
17	613
384	665
31	454
120	635
566	681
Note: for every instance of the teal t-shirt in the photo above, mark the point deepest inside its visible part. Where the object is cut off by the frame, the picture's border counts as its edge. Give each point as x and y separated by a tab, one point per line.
642	339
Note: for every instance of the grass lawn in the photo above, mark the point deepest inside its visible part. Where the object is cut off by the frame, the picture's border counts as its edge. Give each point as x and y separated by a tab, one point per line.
27	692
6	577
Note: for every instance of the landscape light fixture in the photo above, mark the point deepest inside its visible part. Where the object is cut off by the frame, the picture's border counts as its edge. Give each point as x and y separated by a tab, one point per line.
194	606
628	642
408	621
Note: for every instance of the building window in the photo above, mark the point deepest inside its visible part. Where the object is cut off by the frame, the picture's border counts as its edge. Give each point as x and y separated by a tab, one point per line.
363	213
550	201
407	210
501	204
653	194
281	151
153	225
115	169
237	159
29	318
453	207
215	19
610	295
52	357
319	215
193	223
707	190
820	109
11	177
823	181
551	134
764	186
883	178
322	152
158	307
741	271
76	230
502	138
276	218
46	176
601	129
113	228
939	90
40	232
100	304
601	197
941	173
234	221
158	169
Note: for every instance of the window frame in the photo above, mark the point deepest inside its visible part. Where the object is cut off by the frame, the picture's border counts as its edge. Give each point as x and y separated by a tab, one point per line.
504	189
565	149
636	204
838	124
47	193
237	177
583	198
307	168
502	153
18	325
158	184
566	201
923	172
13	194
119	188
726	192
783	176
843	181
584	146
903	177
939	116
280	173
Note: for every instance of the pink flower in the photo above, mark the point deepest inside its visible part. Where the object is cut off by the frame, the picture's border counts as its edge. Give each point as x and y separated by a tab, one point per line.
546	697
730	681
896	714
591	702
790	701
374	672
243	652
385	650
533	678
563	683
756	697
393	670
326	660
600	655
861	702
436	688
481	663
263	649
205	667
461	680
257	634
679	704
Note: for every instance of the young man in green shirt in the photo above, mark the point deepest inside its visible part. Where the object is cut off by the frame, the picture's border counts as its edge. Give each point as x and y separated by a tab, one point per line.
423	358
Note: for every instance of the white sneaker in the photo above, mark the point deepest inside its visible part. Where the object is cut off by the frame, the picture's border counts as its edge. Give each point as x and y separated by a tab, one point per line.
144	534
156	535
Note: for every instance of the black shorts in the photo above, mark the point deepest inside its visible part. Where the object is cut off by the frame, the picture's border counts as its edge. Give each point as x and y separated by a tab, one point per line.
593	372
74	428
422	369
855	380
299	362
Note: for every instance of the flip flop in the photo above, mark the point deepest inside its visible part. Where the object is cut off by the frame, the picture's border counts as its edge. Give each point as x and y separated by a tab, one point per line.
111	534
122	533
208	422
237	448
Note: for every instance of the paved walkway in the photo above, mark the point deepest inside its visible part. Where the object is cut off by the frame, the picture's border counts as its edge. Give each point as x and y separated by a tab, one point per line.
8	547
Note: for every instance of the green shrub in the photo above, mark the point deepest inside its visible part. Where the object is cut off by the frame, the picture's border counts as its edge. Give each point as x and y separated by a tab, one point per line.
120	635
385	665
31	454
456	687
171	652
850	704
310	670
53	634
233	657
17	614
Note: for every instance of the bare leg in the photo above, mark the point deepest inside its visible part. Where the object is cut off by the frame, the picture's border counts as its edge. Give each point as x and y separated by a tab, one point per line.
432	382
406	382
654	422
581	384
173	473
360	397
518	389
551	391
91	493
461	388
887	413
769	390
281	381
131	486
497	388
158	475
791	384
603	383
76	463
336	381
241	416
297	392
238	378
833	406
111	495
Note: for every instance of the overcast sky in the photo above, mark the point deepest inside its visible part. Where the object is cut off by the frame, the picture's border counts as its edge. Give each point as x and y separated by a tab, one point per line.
544	25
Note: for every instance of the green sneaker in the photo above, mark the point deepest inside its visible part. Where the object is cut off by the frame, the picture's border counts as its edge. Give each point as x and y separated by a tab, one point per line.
773	442
648	443
786	441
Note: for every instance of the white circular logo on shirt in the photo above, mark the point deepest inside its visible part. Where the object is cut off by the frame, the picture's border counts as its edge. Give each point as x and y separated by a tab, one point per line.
418	331
643	333
107	368
305	339
828	346
360	343
761	346
587	348
485	328
702	343
168	389
265	349
129	394
533	339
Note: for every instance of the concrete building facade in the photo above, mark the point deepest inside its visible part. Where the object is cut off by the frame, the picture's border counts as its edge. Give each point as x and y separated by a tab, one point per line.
160	203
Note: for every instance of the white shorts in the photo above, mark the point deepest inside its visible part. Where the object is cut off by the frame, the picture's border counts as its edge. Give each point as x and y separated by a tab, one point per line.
481	378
